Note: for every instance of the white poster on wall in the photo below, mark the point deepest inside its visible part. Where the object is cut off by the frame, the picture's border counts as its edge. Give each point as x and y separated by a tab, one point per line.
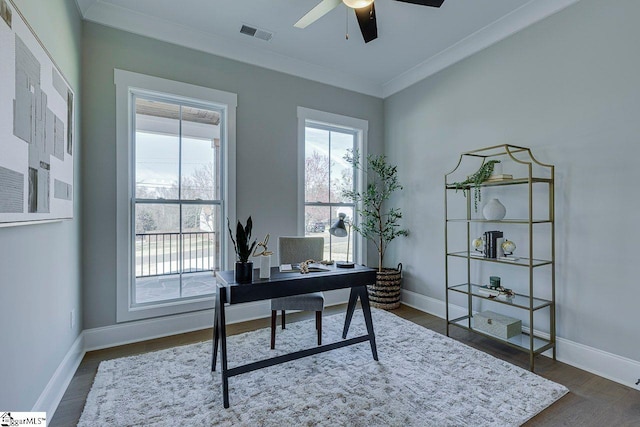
36	127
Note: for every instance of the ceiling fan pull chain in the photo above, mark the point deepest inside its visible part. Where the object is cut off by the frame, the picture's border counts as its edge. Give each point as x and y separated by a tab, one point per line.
346	23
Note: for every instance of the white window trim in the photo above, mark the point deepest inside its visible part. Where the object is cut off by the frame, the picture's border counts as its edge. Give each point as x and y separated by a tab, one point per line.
335	120
125	82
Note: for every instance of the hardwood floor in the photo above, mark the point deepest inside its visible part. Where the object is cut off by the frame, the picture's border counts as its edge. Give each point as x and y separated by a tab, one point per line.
592	401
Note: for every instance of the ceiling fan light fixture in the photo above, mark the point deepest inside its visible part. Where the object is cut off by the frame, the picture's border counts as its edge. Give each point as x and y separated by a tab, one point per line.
357	4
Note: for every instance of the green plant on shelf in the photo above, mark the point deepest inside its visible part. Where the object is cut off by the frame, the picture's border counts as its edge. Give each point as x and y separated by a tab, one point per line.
474	180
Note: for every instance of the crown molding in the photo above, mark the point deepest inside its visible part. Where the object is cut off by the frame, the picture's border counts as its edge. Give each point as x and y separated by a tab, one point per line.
145	25
526	15
85	5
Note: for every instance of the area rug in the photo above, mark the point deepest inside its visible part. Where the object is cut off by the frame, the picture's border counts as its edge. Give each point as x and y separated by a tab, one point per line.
422	379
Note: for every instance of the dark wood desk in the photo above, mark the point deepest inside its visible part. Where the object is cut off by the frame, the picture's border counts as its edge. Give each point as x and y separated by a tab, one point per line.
282	285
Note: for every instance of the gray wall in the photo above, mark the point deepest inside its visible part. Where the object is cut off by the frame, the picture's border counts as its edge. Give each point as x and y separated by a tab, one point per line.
40	264
568	88
266	141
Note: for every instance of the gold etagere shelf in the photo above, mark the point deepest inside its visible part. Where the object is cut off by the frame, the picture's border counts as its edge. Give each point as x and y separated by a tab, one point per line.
533	176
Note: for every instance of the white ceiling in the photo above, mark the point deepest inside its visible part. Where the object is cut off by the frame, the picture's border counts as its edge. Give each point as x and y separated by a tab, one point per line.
413	41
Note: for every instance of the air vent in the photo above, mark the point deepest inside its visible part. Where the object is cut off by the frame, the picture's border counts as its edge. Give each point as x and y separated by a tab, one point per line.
264	35
250	31
256	32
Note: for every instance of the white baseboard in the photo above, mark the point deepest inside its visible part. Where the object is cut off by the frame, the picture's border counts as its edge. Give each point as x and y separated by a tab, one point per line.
607	365
430	305
57	385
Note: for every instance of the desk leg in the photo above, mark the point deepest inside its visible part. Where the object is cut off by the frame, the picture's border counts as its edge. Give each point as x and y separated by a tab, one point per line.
220	336
366	309
216	330
222	327
351	307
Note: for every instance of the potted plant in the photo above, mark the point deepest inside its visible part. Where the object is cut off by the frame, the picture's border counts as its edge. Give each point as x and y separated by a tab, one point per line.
244	267
379	223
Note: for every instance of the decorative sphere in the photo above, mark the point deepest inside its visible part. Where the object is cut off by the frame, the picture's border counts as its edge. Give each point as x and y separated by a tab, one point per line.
508	246
477	243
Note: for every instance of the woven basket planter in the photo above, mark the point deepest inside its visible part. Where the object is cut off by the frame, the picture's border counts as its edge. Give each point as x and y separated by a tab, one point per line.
385	293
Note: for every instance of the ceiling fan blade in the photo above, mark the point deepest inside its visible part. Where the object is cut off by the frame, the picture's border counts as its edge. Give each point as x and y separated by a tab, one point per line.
321	9
432	3
367	21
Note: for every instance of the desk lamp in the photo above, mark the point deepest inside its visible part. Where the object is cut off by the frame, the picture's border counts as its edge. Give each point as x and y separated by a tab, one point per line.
342	228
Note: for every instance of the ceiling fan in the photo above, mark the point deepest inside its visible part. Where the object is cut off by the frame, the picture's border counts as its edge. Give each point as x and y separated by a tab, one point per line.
365	12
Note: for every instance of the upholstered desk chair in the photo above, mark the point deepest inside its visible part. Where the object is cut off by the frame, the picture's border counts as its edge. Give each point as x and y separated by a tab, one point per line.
292	250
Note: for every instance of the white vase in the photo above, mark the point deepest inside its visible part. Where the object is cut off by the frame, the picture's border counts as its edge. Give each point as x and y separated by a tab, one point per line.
265	266
494	210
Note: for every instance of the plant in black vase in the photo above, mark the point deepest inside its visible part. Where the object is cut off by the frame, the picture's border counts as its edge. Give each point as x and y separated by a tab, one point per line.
243	248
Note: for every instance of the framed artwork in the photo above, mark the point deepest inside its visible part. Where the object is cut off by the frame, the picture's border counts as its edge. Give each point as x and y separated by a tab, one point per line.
36	127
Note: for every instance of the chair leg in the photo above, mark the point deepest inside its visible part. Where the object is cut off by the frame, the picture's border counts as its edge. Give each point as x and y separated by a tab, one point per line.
283	321
319	326
273	329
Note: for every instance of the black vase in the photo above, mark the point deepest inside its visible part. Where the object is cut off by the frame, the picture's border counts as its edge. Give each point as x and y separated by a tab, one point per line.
244	272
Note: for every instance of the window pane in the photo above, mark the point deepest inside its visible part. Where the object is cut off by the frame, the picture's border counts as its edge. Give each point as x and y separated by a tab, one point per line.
156	243
327	175
341	171
316	160
317	225
173	263
198	284
200	249
156	149
316	219
201	238
200	154
339	245
157	248
177	246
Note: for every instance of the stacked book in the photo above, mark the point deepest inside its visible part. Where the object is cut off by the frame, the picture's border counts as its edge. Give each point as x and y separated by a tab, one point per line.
493	242
488	292
499	177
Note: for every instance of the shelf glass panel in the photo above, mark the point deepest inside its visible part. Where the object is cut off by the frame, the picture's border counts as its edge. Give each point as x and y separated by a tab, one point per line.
520	341
523	262
503	221
520	301
514	181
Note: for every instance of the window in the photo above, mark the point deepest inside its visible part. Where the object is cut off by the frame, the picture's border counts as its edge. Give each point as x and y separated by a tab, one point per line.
174	149
325	141
176	198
